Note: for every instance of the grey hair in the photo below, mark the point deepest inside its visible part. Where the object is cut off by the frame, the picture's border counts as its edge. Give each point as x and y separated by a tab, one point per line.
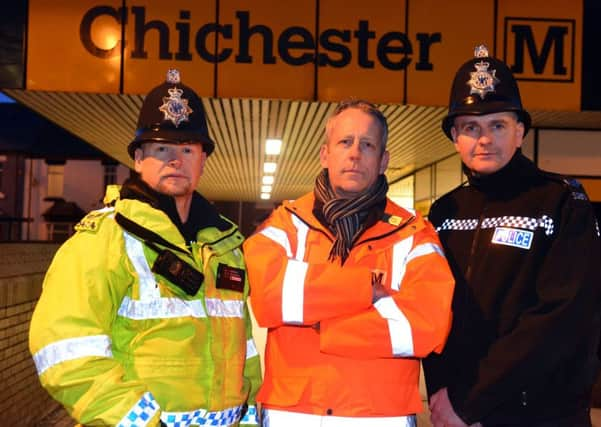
365	106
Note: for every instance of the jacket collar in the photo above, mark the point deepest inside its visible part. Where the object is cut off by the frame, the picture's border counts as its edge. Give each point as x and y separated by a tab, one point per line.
385	221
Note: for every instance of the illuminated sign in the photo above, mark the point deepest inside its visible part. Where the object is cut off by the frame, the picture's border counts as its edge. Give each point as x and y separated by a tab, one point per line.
386	52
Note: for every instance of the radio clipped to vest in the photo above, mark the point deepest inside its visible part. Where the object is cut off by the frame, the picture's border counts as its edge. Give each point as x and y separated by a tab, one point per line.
167	264
178	272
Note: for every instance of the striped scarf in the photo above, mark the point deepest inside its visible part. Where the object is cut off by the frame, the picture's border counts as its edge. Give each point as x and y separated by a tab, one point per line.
346	217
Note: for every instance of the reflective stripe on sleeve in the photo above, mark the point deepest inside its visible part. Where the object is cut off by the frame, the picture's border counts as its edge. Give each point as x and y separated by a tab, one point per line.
302	230
202	417
70	349
141	413
399	328
251	348
402	254
293	291
280	237
135	252
399	254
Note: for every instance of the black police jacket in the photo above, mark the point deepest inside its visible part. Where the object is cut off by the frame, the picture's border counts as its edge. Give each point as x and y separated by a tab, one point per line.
524	248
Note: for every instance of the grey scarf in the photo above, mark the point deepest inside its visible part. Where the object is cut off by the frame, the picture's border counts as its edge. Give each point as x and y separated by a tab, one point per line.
346	217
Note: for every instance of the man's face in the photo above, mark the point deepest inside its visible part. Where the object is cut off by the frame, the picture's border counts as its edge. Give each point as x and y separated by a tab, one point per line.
171	169
487	143
353	153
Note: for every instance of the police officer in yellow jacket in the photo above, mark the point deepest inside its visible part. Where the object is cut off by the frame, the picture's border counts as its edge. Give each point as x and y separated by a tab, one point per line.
143	318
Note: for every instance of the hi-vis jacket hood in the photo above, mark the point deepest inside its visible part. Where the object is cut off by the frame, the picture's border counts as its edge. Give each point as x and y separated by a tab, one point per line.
117	344
330	350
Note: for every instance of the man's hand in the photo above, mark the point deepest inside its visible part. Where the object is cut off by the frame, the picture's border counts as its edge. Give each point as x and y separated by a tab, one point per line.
378	291
442	413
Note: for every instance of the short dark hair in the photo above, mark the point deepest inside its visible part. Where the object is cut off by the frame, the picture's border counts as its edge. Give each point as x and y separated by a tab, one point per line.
366	107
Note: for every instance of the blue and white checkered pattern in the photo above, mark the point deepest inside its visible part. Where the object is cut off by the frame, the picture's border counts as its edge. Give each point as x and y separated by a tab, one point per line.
141	413
202	417
523	222
250	417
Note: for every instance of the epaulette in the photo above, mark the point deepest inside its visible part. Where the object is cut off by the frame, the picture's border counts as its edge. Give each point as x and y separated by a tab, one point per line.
572	184
91	222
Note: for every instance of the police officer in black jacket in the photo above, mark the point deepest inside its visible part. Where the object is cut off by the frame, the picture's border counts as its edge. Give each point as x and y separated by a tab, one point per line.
524	248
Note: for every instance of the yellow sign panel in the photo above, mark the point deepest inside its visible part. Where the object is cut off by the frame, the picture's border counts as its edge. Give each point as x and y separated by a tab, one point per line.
69	50
162	35
450	33
363	50
387	51
272	47
541	41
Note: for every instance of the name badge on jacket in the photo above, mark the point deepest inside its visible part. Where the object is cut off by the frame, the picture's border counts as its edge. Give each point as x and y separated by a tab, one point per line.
230	278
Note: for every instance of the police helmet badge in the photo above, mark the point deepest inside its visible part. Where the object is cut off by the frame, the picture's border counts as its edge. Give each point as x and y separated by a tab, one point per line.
482	81
175	108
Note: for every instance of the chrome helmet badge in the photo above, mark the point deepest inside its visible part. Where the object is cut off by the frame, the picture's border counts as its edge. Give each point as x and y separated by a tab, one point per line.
175	108
482	81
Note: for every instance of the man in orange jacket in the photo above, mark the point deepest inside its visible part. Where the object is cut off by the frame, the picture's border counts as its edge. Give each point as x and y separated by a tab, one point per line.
353	288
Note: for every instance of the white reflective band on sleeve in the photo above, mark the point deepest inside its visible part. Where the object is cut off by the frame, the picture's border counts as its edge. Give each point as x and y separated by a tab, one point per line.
228	308
72	348
135	251
302	230
293	290
251	416
398	327
277	418
141	413
160	308
280	237
424	249
201	417
251	349
399	253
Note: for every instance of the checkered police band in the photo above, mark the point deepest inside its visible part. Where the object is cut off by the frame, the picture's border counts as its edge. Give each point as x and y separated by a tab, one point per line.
523	222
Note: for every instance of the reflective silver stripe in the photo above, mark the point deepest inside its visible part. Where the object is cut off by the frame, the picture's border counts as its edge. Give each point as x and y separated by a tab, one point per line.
168	308
402	254
224	308
160	308
398	327
293	290
251	348
251	416
135	251
70	349
277	418
301	237
202	417
141	413
400	251
424	249
280	237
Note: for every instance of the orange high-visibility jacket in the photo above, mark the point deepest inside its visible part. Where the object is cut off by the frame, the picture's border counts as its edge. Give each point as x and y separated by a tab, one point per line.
329	349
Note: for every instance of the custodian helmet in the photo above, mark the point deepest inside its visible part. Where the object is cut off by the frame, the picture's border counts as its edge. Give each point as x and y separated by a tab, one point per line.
484	85
173	113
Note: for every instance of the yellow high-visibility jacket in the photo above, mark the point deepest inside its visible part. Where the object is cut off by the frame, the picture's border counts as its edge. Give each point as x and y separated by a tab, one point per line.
117	344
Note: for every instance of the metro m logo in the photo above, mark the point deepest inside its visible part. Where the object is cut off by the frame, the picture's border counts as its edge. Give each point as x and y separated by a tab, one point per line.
540	49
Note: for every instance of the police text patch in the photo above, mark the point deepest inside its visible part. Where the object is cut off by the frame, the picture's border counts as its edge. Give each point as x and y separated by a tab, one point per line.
513	237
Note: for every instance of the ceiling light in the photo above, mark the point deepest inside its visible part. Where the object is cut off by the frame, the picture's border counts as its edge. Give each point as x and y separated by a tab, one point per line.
268	180
269	167
266	189
273	146
265	196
